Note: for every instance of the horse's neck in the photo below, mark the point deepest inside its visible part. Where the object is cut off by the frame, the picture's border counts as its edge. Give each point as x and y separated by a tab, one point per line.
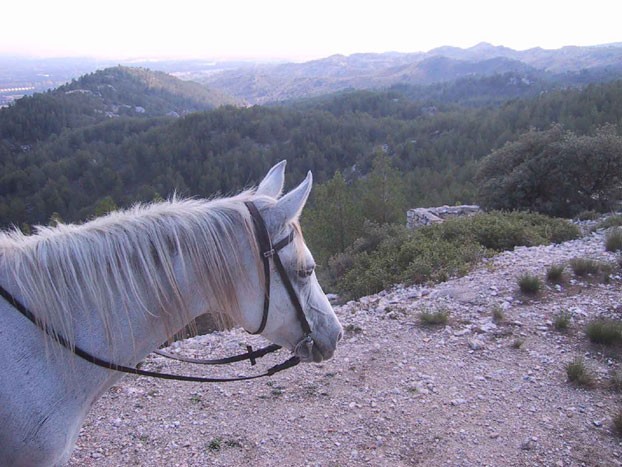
135	332
135	329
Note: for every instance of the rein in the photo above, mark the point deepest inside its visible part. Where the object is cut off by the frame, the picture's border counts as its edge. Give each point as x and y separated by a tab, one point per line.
267	251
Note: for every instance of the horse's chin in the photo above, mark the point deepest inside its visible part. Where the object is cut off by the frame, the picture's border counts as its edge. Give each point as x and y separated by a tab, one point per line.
311	352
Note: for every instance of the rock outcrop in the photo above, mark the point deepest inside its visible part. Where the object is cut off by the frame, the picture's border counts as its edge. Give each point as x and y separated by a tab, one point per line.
420	217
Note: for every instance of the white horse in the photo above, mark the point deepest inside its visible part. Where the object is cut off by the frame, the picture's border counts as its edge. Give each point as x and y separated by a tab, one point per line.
119	285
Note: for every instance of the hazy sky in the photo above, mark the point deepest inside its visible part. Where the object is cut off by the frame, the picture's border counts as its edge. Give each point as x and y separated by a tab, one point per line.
295	29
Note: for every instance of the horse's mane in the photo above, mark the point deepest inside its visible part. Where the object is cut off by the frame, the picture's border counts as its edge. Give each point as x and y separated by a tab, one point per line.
127	257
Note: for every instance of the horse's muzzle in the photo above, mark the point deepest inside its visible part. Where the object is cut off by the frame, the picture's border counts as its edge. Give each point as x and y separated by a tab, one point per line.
306	352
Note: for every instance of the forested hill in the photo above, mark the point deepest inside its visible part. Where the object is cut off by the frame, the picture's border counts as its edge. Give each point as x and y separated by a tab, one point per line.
85	169
100	96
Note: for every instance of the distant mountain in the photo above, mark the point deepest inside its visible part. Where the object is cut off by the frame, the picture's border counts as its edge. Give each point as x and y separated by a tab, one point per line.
273	83
102	95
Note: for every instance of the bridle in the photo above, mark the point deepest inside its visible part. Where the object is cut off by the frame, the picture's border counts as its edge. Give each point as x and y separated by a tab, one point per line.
267	250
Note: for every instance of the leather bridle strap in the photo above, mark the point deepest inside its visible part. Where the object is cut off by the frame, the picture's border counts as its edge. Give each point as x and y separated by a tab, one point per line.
267	250
19	306
251	355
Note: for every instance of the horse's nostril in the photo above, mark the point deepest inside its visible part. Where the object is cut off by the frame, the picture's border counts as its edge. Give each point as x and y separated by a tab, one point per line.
340	335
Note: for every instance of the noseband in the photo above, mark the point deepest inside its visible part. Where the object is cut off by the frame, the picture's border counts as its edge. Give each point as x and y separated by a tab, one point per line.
269	250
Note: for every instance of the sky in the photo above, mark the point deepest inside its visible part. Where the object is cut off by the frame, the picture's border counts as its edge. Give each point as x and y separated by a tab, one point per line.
294	30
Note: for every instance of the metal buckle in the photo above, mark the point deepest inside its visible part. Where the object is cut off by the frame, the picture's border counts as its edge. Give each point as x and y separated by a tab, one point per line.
269	253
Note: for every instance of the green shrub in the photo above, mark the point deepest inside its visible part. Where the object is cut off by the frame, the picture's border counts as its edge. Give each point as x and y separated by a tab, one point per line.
388	254
589	215
529	284
578	373
433	318
615	383
562	321
584	266
553	171
612	221
410	257
613	240
503	231
555	273
215	444
604	331
497	314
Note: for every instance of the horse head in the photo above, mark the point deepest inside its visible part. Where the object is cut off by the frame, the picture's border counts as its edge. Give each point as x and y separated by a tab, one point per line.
296	315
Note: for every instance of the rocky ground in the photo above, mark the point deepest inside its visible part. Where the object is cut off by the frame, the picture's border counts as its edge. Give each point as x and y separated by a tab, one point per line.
474	392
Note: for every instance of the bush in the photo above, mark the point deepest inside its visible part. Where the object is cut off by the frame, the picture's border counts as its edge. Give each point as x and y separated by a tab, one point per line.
434	318
554	171
613	240
407	257
504	231
584	266
604	331
555	273
562	321
389	254
529	284
578	373
612	221
497	315
615	383
587	215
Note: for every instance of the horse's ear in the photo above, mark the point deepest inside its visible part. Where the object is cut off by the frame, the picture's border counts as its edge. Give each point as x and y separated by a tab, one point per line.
290	206
272	184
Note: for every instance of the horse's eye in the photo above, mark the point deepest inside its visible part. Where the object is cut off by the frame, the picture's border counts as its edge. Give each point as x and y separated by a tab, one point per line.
306	272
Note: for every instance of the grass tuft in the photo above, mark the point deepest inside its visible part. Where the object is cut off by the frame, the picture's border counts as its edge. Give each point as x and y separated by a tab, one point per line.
584	267
587	216
555	273
578	373
529	284
615	383
434	318
497	315
562	321
613	240
604	331
612	221
215	444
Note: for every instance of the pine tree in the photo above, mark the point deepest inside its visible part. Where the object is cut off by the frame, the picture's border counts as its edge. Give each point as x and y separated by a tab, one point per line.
334	220
383	192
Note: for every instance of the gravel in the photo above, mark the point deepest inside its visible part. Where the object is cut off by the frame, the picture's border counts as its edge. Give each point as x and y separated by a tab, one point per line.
476	392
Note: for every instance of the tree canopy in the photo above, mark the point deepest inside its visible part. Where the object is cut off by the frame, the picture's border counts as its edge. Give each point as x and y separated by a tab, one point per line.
63	158
554	171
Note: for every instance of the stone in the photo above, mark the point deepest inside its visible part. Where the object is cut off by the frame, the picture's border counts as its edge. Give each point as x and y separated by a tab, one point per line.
476	344
420	217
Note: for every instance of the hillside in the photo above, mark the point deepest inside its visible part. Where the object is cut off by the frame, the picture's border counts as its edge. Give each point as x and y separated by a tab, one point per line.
152	92
275	83
435	141
100	96
474	392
